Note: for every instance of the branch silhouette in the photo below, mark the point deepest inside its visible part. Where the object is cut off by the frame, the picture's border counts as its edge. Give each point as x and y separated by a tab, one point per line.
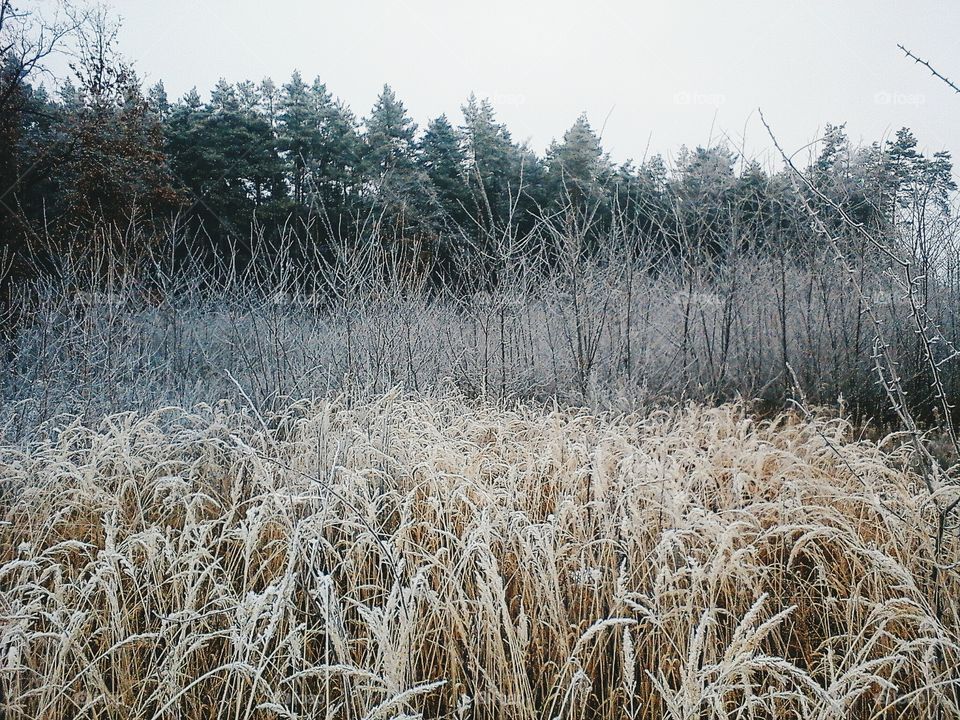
929	67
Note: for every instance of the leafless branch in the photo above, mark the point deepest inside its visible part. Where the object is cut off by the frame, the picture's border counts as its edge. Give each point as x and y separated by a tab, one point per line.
929	67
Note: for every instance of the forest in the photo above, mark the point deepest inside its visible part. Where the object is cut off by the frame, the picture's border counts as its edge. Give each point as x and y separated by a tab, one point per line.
104	155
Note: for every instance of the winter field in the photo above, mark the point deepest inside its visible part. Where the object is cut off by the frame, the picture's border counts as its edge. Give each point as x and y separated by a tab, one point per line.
622	385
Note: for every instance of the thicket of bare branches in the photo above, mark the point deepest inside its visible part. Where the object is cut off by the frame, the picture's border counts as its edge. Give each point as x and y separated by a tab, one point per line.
558	313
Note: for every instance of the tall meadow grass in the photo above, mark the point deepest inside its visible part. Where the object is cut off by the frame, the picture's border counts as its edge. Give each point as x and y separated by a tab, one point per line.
450	558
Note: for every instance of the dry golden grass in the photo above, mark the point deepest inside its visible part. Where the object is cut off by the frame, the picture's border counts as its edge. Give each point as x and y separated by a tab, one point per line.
454	560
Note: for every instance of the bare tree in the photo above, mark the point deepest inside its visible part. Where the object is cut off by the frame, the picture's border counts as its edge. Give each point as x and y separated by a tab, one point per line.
27	39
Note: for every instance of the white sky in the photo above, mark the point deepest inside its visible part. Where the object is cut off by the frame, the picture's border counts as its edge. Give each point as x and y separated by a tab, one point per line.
662	74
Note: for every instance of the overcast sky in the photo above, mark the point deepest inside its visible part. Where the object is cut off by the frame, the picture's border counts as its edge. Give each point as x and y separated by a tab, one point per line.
652	75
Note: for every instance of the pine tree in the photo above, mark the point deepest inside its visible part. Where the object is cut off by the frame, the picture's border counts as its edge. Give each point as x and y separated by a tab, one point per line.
248	95
443	161
157	97
335	167
506	180
389	137
390	167
704	195
228	160
224	98
269	101
29	155
299	132
493	162
192	100
578	169
642	203
914	187
755	212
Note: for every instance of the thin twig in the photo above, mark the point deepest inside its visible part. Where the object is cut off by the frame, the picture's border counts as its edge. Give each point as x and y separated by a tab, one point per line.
929	67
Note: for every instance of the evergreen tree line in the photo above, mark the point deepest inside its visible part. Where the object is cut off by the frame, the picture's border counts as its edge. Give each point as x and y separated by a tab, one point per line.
106	158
